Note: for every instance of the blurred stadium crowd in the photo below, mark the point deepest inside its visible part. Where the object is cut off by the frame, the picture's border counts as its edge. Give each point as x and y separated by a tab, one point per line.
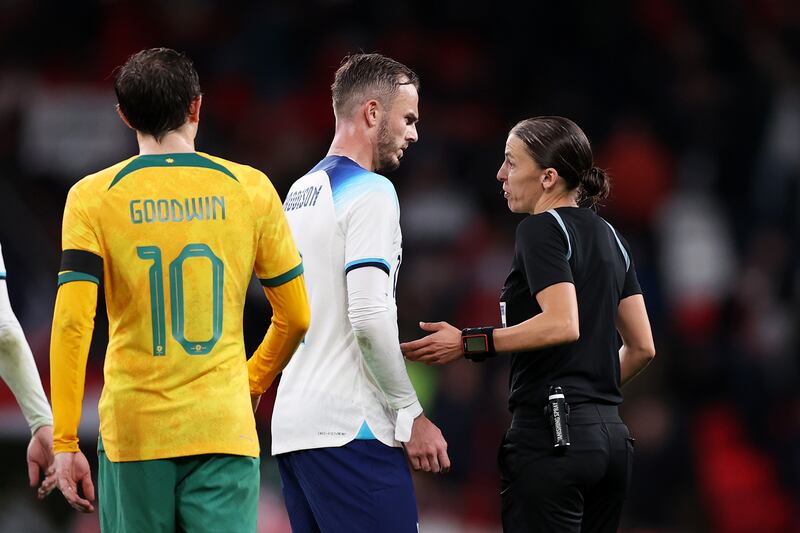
694	107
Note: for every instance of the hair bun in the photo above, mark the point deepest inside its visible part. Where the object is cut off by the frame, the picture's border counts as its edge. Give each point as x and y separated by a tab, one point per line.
595	186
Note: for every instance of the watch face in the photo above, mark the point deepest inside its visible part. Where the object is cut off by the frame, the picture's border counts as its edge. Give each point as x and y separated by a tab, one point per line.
476	344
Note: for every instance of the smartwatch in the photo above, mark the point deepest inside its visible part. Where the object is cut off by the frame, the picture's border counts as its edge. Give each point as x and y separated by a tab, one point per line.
478	343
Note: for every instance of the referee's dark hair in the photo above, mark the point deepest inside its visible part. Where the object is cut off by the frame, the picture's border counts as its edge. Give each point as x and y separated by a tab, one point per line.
366	76
155	88
557	142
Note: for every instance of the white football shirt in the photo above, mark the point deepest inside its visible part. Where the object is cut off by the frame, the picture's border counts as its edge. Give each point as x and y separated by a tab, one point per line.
343	217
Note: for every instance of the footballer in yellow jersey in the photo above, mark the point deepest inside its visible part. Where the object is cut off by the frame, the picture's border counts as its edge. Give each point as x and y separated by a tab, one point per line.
173	236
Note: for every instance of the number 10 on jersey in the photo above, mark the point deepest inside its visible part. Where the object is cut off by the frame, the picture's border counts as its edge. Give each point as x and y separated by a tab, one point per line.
196	251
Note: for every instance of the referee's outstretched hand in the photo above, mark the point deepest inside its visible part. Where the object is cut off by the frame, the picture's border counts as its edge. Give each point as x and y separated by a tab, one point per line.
442	346
427	449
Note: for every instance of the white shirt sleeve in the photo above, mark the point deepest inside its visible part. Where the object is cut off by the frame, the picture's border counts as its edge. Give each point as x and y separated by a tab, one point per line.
17	367
371	225
371	220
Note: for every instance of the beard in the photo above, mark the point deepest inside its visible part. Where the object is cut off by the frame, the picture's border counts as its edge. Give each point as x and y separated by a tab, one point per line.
386	150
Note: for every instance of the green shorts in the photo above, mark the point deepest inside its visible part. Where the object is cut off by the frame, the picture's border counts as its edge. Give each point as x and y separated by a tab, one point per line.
200	493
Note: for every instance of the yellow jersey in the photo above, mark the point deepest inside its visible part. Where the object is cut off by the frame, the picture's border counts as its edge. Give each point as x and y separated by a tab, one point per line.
175	239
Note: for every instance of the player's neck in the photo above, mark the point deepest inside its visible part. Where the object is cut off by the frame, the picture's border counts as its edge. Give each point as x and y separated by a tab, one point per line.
175	142
348	141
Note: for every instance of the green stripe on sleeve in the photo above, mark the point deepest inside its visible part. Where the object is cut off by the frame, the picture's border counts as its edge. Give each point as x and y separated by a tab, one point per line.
66	277
283	278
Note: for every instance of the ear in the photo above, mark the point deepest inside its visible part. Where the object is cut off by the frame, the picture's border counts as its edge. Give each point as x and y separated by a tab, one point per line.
123	117
194	109
549	178
372	113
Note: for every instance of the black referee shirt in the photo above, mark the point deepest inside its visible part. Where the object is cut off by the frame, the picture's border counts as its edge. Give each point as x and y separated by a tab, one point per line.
572	245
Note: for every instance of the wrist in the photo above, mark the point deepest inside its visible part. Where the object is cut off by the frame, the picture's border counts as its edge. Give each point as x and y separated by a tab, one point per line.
478	343
35	428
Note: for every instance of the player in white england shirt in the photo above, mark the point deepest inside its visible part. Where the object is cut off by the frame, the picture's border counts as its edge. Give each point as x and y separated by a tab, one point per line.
18	370
345	405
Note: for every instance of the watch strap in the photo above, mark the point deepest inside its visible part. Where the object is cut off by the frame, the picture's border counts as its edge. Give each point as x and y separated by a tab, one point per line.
486	350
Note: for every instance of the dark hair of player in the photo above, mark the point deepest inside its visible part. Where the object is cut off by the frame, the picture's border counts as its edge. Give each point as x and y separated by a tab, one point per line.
366	76
557	142
155	88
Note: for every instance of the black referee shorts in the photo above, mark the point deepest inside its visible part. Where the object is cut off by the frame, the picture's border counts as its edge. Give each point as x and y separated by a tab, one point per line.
581	490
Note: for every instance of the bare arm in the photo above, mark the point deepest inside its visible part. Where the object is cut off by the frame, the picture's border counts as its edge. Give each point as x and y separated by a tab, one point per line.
638	348
556	324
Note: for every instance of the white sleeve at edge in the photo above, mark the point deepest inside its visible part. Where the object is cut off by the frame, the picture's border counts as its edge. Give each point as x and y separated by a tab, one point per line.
17	367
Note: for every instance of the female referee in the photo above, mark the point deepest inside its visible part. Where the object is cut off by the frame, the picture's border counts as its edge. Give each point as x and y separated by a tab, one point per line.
566	460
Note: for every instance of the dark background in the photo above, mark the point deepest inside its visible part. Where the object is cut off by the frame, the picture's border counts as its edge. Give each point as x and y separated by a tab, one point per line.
693	107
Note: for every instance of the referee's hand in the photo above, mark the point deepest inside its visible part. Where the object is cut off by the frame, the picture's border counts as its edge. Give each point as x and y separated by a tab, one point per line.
427	449
442	346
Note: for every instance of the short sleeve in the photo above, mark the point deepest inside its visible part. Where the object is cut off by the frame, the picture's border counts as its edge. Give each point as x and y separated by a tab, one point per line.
371	222
81	253
631	285
77	232
277	259
542	250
